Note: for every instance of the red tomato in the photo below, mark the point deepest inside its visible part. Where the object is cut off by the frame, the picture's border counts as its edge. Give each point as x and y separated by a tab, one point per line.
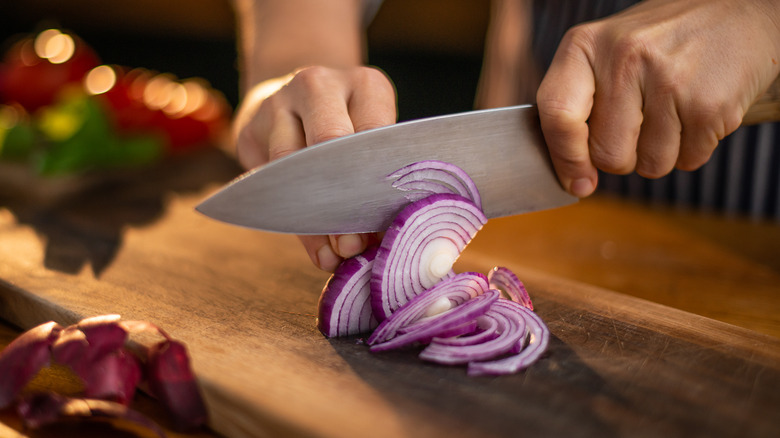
33	82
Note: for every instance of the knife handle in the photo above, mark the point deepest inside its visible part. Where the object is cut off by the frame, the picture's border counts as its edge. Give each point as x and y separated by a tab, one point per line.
766	108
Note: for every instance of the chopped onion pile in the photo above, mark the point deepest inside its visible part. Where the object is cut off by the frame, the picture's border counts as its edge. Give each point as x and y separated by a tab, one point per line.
97	351
416	297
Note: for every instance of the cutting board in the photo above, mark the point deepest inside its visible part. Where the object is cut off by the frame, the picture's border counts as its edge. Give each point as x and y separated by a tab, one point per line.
244	302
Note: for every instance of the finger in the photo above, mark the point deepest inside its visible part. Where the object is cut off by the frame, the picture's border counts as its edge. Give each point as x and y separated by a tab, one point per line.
696	146
565	99
349	245
320	100
659	139
373	101
285	133
321	252
703	128
616	119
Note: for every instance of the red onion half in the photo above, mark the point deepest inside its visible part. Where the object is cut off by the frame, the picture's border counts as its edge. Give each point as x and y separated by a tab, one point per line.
419	249
418	299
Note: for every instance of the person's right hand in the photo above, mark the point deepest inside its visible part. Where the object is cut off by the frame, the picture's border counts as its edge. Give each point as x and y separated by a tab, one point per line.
310	106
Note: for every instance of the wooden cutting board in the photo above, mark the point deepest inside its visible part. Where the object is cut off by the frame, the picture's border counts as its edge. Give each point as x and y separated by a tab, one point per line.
244	303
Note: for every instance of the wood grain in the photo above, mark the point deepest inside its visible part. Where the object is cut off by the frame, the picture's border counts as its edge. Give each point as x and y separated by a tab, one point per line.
244	303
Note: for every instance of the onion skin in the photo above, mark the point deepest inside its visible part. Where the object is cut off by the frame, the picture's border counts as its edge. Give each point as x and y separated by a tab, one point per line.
23	358
48	408
173	382
344	307
398	274
96	350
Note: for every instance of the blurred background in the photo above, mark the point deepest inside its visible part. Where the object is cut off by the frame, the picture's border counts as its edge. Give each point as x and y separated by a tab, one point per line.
431	48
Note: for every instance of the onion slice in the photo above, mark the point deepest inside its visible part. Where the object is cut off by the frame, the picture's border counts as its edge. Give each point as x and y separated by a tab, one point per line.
424	178
511	329
432	326
504	279
344	306
539	337
419	249
456	290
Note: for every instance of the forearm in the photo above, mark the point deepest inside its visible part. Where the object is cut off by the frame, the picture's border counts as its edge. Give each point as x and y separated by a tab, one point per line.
279	36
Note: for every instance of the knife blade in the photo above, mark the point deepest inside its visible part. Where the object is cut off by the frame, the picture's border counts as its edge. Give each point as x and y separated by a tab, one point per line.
341	186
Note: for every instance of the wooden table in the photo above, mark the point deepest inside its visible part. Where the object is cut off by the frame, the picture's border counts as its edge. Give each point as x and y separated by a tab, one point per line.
700	357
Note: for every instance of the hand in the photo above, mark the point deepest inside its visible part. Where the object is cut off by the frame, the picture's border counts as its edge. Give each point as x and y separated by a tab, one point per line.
655	87
307	107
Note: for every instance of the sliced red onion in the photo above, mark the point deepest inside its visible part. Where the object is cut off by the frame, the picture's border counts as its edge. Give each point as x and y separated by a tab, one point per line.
344	306
510	327
23	358
455	291
486	329
175	385
432	326
453	332
537	345
425	178
48	408
419	249
506	280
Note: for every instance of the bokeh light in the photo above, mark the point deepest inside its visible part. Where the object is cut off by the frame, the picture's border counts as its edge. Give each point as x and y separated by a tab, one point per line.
100	79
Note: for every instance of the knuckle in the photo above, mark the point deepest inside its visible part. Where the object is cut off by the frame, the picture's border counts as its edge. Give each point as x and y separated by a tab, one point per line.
312	78
324	133
612	160
274	153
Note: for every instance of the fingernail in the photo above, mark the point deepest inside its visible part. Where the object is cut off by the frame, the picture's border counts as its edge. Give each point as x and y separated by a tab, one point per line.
327	259
349	245
581	187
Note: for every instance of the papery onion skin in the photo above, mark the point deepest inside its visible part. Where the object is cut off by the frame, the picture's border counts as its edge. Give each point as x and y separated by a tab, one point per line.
504	279
47	408
23	358
398	274
173	382
344	307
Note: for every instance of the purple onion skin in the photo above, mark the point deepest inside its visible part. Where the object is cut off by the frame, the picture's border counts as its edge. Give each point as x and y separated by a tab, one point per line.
387	290
114	376
329	308
48	408
23	358
173	382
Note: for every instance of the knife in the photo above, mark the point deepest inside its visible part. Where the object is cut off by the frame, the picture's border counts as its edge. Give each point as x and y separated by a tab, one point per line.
341	186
